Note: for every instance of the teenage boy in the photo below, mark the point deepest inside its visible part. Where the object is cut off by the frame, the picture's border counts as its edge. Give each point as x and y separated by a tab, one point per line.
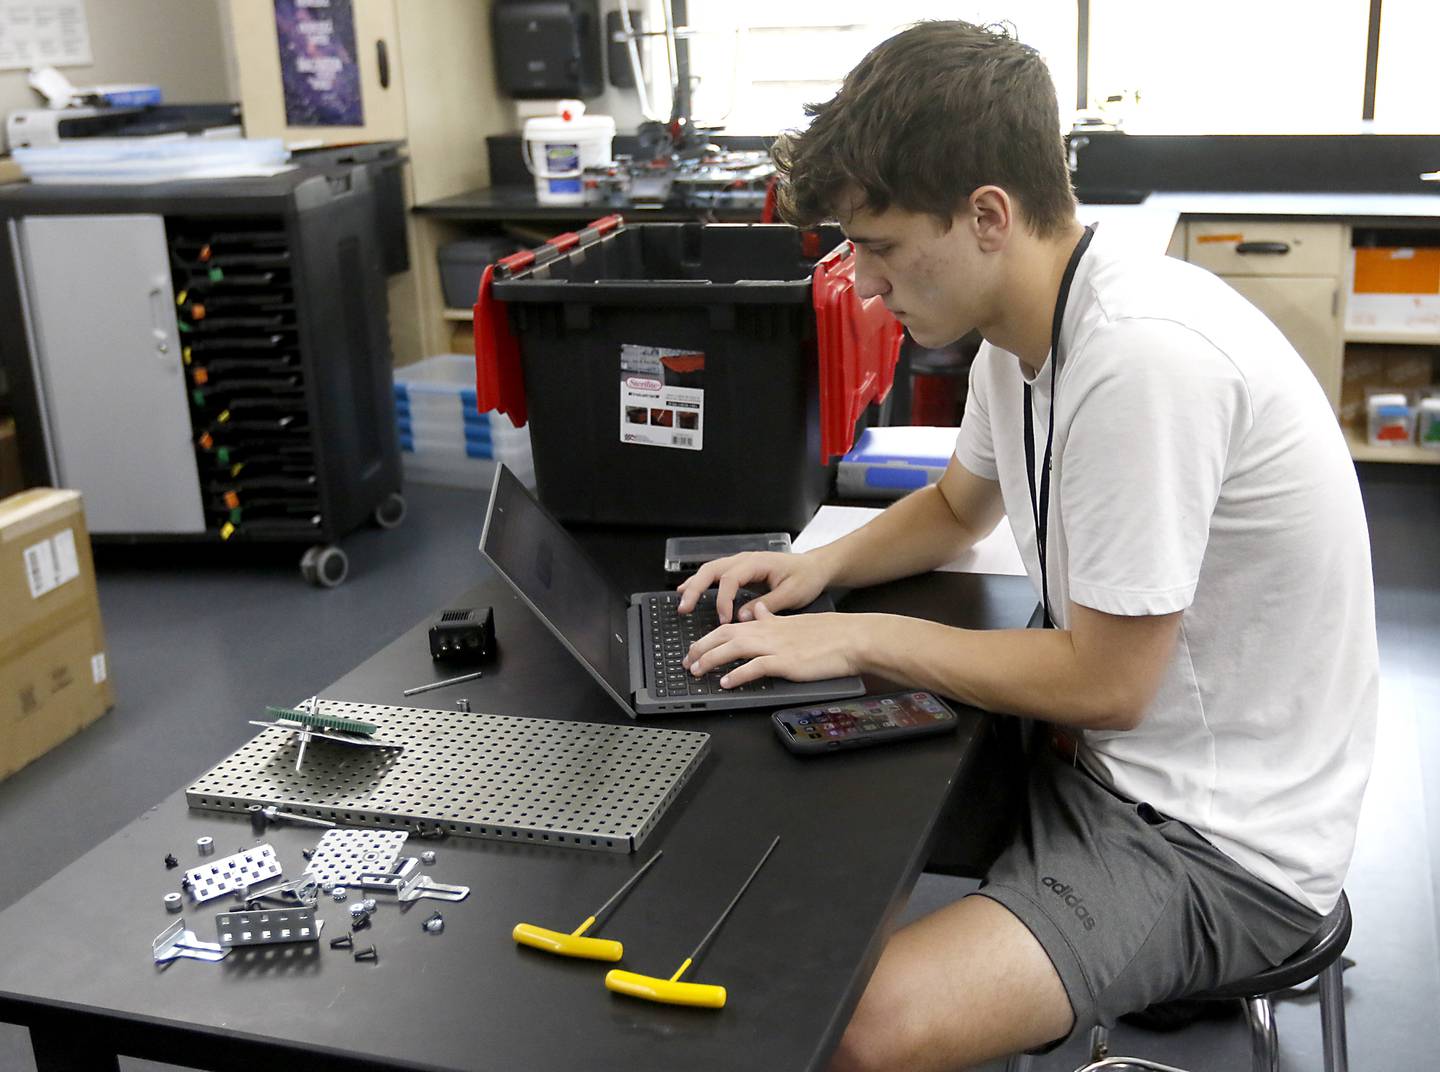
1189	514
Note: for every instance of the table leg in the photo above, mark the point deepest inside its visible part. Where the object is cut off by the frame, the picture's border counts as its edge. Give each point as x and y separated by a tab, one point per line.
60	1051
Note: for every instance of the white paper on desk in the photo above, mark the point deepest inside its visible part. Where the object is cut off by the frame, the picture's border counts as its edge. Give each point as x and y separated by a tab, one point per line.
996	553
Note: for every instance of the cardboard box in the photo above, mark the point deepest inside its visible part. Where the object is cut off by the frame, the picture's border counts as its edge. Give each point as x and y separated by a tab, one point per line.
54	673
11	479
1394	290
1382	368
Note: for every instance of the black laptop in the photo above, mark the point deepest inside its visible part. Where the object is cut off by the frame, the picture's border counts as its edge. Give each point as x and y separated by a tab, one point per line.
633	646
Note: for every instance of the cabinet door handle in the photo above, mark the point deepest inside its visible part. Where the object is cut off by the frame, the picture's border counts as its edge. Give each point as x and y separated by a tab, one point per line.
158	310
382	60
1262	247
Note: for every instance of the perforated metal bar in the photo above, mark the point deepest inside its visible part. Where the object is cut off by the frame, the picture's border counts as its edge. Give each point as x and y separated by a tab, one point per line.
573	784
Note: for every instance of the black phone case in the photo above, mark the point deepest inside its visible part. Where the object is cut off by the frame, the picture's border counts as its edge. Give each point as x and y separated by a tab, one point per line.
861	738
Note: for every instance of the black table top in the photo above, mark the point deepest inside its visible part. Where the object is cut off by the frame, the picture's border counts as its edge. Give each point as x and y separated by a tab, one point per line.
855	829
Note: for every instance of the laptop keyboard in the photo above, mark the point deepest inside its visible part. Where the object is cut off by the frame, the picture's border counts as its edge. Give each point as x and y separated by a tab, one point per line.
671	634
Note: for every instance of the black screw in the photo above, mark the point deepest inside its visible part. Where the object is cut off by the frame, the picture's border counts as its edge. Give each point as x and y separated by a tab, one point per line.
366	954
170	862
309	854
343	942
359	921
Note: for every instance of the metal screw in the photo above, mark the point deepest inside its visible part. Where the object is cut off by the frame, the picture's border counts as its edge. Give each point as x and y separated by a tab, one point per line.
339	893
359	920
428	856
172	902
435	924
309	854
365	954
369	904
205	845
345	941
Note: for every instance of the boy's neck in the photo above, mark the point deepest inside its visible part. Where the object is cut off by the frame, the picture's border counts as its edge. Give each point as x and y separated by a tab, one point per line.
1035	274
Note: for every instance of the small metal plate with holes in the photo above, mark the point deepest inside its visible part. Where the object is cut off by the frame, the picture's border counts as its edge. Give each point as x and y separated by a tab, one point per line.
344	855
209	881
577	785
267	927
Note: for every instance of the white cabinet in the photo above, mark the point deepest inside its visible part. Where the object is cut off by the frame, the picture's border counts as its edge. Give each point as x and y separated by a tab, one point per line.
105	345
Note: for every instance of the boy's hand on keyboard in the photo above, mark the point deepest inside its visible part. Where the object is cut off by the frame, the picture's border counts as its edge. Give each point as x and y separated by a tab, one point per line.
800	647
793	580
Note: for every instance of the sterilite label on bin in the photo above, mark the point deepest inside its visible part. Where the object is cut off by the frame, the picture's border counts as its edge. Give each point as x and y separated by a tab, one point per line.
662	397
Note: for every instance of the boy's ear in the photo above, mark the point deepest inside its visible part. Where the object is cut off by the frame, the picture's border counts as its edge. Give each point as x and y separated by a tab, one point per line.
992	217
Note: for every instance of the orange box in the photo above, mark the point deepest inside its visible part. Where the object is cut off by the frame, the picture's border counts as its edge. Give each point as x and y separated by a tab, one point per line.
1394	290
54	673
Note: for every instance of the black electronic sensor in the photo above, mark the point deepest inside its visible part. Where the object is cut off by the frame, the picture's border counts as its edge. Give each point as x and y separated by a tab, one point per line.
466	635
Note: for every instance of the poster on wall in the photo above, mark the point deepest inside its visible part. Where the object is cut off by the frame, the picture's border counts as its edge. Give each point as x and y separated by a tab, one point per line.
44	33
319	69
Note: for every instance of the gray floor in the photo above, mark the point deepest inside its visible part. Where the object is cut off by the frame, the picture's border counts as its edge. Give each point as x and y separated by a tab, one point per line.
197	647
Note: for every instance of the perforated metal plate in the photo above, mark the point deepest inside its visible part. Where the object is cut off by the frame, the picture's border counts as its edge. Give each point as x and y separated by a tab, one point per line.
344	855
236	872
574	784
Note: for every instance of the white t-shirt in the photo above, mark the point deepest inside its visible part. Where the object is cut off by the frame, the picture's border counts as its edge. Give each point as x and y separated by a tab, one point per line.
1198	467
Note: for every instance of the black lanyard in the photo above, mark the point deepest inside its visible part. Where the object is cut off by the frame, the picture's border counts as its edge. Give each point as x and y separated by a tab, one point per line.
1040	504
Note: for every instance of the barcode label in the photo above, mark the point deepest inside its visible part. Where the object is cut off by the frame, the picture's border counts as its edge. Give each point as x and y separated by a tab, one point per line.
50	563
684	440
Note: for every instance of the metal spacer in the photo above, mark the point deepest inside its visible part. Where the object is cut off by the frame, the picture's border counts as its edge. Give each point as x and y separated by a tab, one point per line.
339	893
205	845
173	902
428	856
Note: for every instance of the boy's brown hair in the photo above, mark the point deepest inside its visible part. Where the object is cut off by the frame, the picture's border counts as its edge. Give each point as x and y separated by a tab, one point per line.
923	120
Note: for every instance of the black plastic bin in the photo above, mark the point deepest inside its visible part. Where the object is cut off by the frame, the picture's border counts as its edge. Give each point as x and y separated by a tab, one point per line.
734	302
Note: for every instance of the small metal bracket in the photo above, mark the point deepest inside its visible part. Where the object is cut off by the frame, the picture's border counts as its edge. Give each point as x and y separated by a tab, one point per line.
267	928
232	873
177	941
424	886
303	891
393	881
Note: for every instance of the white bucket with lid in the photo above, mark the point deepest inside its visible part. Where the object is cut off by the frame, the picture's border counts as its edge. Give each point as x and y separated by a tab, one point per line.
558	148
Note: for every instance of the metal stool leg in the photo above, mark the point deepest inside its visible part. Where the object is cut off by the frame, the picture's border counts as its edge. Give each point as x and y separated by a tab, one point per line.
1019	1062
1332	1017
1099	1043
1264	1047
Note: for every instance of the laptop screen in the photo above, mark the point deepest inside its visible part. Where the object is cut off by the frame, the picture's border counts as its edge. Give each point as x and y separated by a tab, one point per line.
553	574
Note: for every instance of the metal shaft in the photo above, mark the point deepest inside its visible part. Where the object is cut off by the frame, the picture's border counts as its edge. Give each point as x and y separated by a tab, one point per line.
600	912
711	933
442	684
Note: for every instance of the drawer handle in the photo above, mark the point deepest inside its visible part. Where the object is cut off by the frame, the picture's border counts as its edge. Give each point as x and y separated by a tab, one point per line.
1262	247
382	61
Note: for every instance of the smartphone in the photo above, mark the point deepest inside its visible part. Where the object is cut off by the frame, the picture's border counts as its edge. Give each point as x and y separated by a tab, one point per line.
863	721
685	554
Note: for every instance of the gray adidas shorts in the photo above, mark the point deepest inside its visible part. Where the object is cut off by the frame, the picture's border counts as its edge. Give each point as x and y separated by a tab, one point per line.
1134	908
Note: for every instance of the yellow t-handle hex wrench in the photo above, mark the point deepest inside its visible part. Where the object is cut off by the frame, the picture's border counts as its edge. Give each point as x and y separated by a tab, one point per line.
572	944
671	991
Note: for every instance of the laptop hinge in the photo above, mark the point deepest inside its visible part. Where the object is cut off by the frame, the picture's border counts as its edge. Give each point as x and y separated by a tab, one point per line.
637	629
